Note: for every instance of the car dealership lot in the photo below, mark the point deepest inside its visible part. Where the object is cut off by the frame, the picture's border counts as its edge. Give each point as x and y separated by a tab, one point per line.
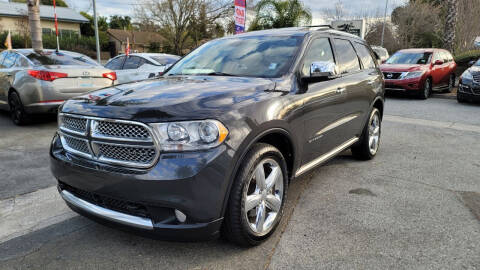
416	205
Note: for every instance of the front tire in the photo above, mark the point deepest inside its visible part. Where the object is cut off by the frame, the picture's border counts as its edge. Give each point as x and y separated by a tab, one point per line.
427	89
17	111
369	143
258	196
461	98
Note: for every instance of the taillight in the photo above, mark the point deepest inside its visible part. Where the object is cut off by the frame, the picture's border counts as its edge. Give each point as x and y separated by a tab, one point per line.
111	75
46	75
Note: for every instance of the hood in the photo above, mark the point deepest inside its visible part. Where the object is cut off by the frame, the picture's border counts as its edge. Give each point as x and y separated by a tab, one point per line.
474	69
173	98
401	68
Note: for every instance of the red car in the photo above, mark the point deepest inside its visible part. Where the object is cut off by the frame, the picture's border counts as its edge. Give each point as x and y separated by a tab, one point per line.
420	71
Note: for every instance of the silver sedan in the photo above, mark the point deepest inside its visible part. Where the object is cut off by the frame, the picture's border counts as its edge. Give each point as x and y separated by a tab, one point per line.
33	82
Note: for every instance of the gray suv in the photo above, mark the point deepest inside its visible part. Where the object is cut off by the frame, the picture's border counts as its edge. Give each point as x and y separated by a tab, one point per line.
212	146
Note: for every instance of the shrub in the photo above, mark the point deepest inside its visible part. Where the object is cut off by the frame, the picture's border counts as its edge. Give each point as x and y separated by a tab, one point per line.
462	59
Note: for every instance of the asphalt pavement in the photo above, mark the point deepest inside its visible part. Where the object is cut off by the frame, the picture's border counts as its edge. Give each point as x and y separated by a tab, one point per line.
415	206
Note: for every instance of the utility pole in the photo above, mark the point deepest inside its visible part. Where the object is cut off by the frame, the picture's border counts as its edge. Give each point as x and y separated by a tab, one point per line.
96	31
384	23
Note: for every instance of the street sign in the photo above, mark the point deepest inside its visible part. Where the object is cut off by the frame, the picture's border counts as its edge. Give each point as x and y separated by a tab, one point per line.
240	16
355	27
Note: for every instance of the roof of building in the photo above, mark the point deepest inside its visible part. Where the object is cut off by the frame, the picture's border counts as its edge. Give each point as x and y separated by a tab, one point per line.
135	37
8	9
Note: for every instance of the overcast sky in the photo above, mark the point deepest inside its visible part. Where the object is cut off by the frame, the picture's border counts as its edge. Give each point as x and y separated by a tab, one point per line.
351	7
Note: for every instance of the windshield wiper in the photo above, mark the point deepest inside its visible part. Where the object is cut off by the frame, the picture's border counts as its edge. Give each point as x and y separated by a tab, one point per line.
216	73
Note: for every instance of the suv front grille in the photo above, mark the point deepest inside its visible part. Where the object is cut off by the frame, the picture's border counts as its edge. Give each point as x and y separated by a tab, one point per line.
476	77
117	142
392	75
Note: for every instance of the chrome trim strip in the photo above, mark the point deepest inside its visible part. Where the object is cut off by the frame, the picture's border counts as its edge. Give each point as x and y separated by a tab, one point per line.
45	104
395	89
312	164
134	221
95	120
336	124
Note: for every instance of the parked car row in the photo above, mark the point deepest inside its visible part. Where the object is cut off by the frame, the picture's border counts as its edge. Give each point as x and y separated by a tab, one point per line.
33	83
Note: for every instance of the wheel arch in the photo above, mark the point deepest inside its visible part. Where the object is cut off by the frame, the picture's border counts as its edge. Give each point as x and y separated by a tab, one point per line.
274	137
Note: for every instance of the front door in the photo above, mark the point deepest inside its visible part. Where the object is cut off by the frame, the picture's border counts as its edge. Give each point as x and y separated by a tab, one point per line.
323	104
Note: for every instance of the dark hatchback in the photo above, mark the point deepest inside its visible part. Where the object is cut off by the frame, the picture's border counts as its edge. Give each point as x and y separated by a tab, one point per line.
211	147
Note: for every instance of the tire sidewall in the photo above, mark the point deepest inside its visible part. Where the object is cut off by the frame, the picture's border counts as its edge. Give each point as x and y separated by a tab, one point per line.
427	89
14	97
251	160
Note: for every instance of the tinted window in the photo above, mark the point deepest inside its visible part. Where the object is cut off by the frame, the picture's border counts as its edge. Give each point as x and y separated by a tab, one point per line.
133	62
9	60
320	51
365	55
116	63
410	58
347	58
60	58
252	56
165	60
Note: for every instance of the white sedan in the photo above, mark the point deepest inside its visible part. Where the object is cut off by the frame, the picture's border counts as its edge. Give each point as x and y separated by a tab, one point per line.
140	66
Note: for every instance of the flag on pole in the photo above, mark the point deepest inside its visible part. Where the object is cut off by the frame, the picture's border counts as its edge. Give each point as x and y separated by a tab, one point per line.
8	41
127	48
56	24
240	16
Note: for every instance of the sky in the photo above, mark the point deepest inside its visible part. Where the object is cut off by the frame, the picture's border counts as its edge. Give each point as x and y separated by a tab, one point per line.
317	7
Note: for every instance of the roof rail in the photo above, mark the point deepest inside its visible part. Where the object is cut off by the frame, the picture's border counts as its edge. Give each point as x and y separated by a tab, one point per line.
320	25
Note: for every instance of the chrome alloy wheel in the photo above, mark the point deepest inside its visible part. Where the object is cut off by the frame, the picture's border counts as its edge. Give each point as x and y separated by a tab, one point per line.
262	197
374	132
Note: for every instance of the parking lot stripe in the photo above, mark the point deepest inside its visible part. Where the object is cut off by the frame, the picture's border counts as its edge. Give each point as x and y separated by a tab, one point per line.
431	123
23	214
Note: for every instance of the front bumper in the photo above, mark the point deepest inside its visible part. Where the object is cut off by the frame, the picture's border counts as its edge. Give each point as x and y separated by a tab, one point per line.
144	200
470	91
414	84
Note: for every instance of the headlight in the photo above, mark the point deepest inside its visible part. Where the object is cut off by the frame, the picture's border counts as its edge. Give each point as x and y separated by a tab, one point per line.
189	135
467	76
411	75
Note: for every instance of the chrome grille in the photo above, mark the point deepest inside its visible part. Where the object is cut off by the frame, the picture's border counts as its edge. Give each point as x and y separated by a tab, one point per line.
75	124
121	130
142	155
476	77
118	142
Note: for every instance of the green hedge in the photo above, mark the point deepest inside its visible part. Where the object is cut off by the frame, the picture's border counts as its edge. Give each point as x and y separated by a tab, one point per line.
465	57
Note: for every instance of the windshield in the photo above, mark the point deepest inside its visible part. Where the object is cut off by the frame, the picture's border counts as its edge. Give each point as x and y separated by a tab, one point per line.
410	58
60	58
259	56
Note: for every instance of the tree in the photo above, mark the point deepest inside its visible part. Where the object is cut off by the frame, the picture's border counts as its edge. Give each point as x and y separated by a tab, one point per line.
450	25
35	26
279	14
177	18
120	22
88	29
374	36
58	3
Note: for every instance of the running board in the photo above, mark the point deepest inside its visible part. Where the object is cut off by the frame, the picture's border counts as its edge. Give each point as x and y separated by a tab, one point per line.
314	163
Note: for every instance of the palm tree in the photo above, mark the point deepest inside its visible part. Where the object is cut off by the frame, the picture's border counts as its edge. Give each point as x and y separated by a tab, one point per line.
278	14
35	26
451	25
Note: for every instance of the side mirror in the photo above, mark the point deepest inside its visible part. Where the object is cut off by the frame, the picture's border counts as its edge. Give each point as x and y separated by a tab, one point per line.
438	63
322	70
471	63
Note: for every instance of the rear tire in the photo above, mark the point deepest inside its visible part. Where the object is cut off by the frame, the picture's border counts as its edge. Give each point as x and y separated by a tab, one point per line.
17	111
367	147
427	89
250	201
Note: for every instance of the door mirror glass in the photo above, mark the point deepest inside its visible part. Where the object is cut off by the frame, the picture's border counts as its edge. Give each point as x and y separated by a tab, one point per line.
322	69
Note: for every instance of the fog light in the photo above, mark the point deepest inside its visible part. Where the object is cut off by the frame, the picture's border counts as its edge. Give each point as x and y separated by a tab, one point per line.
180	216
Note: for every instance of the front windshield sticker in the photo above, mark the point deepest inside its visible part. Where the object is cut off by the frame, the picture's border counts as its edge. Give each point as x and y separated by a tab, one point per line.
272	66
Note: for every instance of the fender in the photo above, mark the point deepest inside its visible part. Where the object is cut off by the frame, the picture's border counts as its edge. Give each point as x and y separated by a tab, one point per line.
247	144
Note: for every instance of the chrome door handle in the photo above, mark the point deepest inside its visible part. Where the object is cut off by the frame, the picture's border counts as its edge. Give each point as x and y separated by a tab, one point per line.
341	90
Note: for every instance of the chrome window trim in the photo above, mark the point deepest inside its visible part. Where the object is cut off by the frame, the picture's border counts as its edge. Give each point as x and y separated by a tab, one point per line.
91	140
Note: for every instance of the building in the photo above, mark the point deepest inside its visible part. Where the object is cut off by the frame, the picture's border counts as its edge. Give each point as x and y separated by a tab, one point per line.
139	41
14	17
